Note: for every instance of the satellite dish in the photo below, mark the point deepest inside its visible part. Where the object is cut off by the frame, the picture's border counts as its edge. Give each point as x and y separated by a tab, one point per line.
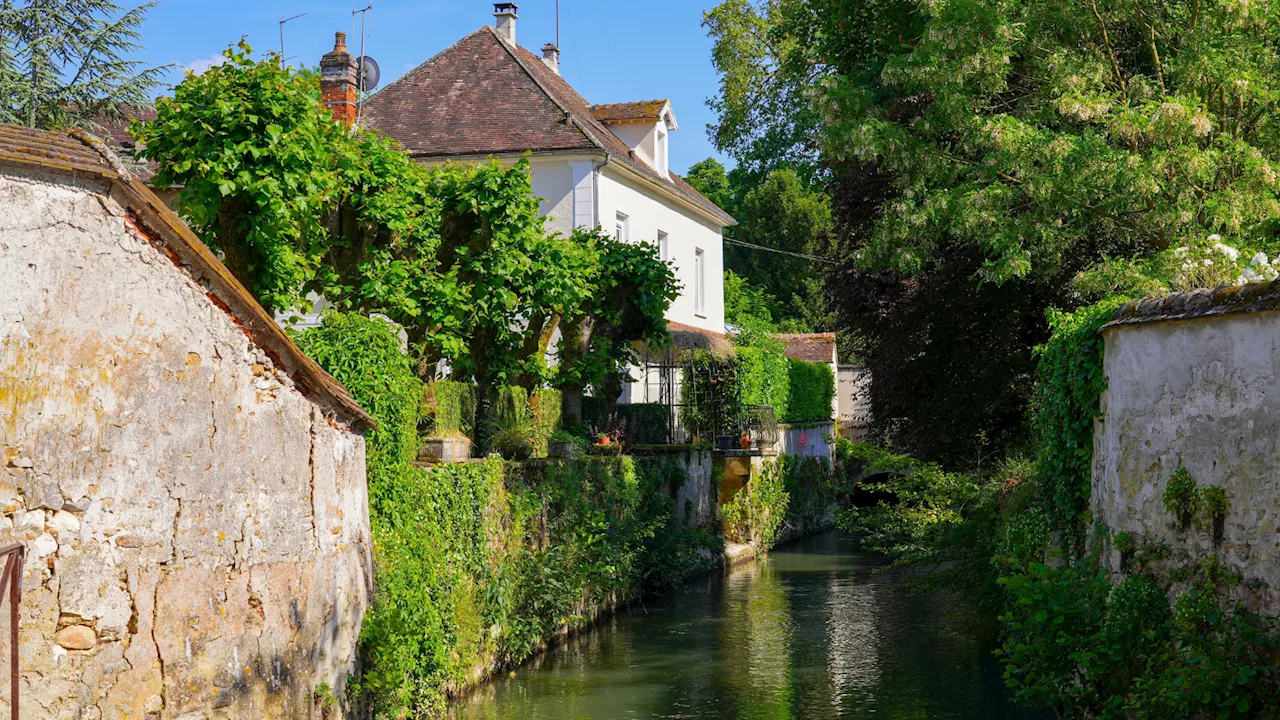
368	73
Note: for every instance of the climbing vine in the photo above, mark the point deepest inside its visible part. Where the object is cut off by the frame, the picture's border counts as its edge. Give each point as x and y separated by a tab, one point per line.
1070	382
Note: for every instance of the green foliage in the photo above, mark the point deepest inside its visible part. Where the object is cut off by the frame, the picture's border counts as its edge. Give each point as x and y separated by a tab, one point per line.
710	178
1181	497
252	149
1070	381
1123	542
364	355
763	376
67	62
749	307
625	301
1214	502
1087	649
545	406
449	408
813	387
756	513
919	515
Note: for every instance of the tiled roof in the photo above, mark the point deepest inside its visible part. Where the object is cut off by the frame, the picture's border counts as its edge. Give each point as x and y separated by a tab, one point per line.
115	133
1226	300
78	154
810	347
484	96
621	112
688	337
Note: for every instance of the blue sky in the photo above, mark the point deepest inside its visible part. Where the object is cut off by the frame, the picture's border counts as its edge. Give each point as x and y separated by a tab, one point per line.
611	50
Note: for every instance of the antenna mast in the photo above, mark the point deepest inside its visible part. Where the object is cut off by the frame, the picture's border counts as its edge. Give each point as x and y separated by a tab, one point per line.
557	24
282	22
360	83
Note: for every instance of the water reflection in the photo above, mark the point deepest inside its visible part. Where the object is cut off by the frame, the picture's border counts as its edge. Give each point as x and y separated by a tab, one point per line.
812	633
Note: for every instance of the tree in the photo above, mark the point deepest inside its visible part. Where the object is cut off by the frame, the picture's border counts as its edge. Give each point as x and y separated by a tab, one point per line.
624	306
254	153
710	178
783	213
66	62
766	119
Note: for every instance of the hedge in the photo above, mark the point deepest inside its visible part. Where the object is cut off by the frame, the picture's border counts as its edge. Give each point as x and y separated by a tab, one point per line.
642	423
813	386
765	380
450	408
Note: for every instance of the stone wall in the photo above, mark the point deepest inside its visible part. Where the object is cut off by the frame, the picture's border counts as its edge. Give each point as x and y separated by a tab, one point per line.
1200	392
197	528
808	440
853	388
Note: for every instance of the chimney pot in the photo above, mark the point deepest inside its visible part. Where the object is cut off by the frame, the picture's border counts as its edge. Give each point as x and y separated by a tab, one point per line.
338	88
507	14
551	56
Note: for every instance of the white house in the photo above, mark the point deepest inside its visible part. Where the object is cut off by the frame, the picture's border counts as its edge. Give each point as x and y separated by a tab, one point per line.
597	166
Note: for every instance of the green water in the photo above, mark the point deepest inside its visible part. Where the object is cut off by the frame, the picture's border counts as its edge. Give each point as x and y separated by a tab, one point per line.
811	633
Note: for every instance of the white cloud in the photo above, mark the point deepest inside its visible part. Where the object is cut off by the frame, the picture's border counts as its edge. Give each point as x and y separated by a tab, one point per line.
199	66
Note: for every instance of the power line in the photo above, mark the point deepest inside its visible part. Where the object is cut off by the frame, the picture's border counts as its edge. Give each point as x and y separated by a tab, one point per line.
814	258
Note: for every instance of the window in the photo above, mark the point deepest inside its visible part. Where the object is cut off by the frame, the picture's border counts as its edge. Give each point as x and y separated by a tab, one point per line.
664	252
620	229
699	283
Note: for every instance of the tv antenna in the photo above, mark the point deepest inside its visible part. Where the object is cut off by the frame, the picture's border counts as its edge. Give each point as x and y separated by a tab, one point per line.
284	20
366	63
557	25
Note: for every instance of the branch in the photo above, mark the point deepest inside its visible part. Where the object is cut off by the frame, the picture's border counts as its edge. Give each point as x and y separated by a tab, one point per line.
1111	53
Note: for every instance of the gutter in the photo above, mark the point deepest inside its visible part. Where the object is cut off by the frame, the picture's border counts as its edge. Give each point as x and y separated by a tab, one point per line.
595	187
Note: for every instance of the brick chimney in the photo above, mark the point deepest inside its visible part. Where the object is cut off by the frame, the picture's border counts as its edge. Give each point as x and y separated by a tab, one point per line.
507	14
551	57
339	90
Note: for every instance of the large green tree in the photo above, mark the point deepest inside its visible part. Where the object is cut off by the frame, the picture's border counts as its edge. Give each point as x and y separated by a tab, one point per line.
1013	142
69	62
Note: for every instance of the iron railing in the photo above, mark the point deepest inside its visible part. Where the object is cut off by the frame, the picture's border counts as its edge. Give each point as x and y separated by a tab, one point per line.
11	580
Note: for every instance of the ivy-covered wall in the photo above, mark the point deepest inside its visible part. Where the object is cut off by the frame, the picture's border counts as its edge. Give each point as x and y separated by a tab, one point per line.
478	565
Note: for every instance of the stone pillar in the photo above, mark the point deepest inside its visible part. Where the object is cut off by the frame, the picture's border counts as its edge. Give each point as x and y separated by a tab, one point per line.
339	88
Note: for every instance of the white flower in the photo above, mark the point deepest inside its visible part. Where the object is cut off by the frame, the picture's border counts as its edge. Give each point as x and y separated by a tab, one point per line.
1259	259
1181	252
1227	251
1208	262
1215	238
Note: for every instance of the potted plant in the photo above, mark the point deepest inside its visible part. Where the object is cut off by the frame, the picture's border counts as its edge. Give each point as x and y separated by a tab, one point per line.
452	448
744	441
560	445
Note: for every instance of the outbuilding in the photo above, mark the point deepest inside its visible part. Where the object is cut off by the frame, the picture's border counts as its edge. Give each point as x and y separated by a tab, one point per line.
189	486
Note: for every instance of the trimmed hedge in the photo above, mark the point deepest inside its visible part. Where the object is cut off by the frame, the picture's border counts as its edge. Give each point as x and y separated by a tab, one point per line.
813	387
765	379
449	407
643	423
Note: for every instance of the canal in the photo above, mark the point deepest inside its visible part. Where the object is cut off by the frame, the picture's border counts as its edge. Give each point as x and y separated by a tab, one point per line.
813	632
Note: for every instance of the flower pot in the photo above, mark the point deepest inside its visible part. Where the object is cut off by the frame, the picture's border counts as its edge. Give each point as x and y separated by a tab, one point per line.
445	450
745	441
560	449
726	442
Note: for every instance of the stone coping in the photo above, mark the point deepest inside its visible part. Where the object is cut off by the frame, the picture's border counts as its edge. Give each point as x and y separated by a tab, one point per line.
1225	300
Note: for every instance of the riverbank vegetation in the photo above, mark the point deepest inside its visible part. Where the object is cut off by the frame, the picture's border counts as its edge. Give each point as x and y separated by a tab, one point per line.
479	564
1002	177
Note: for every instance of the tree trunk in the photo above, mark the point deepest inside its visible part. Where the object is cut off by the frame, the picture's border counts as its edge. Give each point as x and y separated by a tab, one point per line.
573	344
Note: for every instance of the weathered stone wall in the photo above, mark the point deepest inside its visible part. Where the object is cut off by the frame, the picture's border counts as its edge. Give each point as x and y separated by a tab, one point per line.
1203	394
197	529
696	504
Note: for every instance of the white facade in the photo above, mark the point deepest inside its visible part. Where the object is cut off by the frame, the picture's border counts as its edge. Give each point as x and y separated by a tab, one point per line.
582	191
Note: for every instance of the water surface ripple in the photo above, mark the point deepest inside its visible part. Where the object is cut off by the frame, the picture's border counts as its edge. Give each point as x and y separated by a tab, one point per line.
810	633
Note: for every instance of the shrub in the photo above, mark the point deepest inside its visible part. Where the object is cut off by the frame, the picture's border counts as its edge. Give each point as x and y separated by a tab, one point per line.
813	387
364	355
764	377
640	423
449	408
1181	497
756	513
545	406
